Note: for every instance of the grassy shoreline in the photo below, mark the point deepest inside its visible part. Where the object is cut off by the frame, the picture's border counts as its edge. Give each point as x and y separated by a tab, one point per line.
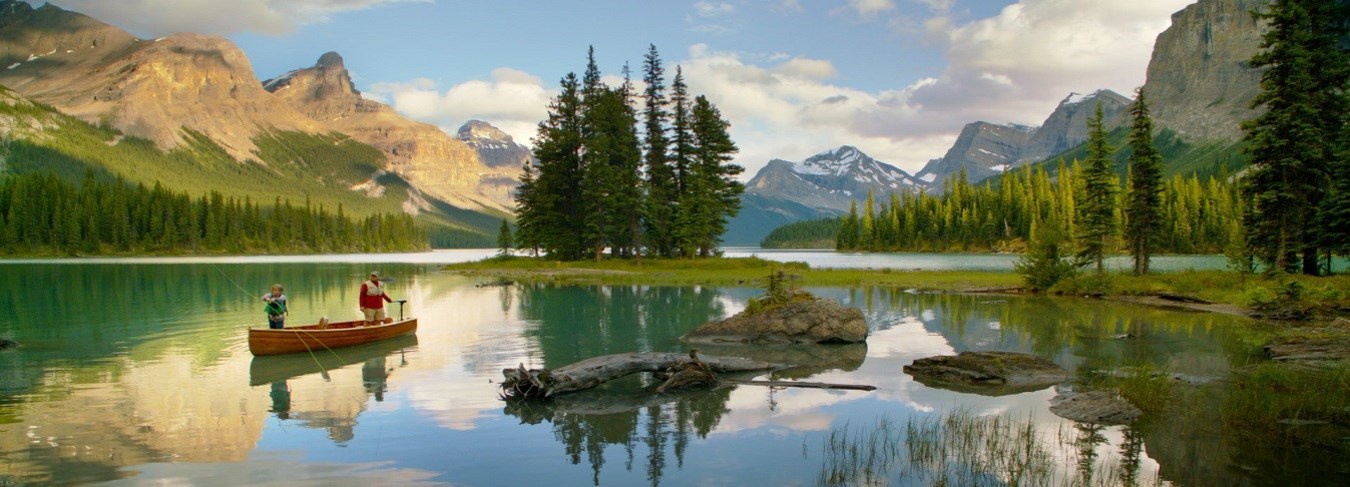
1320	296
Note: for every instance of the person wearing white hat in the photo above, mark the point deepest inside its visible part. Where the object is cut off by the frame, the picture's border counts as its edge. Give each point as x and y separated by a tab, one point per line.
373	298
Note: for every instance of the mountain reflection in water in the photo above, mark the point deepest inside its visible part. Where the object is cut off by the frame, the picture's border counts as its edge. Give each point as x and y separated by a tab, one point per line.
141	373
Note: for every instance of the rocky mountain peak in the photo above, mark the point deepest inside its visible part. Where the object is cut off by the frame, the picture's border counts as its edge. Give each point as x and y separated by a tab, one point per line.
330	59
327	80
478	130
495	148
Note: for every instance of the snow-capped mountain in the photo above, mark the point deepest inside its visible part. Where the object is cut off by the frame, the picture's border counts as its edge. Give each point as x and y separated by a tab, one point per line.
820	186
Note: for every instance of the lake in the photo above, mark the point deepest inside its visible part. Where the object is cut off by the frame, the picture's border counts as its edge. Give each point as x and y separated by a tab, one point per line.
139	373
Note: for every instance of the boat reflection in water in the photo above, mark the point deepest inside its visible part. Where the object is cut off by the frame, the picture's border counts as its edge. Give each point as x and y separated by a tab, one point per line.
273	368
292	374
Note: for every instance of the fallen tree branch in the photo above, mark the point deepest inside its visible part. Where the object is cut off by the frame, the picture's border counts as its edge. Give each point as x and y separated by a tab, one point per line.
804	385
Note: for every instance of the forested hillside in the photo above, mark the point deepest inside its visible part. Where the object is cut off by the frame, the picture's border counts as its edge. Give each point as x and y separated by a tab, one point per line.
292	166
41	213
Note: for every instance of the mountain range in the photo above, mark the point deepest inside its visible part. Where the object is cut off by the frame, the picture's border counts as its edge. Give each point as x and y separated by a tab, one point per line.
1198	84
194	94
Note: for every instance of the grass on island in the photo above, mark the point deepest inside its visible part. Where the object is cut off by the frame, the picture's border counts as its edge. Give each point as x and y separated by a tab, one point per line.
746	271
1325	296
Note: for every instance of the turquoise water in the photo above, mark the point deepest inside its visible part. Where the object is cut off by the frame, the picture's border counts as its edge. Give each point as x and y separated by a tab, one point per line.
140	374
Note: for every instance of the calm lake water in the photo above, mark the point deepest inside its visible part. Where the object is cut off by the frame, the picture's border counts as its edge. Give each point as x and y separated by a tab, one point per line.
137	373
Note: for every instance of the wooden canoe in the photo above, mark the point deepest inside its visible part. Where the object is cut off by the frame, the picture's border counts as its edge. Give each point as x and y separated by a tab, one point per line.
312	338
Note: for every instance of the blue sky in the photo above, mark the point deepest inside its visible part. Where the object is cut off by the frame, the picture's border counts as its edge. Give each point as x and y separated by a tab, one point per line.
897	78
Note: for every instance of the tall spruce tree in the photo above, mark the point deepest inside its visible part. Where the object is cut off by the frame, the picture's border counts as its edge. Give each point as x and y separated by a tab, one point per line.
682	154
558	210
1143	209
1331	34
1285	143
528	209
628	199
1097	214
661	184
712	193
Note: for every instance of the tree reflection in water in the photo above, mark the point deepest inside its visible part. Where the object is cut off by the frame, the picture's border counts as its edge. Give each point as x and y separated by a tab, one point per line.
588	422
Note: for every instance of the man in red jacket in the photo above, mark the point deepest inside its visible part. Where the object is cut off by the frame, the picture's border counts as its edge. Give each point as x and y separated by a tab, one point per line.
373	298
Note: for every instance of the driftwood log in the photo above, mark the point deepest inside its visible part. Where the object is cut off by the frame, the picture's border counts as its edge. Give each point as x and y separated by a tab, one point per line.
535	383
676	370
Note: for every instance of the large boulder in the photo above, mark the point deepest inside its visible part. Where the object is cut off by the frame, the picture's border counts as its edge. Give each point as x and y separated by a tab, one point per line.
798	321
1096	407
7	343
997	372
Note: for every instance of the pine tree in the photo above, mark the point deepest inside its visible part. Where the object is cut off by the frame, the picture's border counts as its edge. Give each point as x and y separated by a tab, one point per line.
682	154
1144	206
1284	143
712	191
556	208
1331	24
1098	212
504	240
662	192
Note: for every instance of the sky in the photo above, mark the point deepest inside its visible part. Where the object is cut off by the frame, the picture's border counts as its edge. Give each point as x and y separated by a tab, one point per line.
895	78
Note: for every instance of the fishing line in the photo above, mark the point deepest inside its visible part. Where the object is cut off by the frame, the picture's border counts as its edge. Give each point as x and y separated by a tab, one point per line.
227	278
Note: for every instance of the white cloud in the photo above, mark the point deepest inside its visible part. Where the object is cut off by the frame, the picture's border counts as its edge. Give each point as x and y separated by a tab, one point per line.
512	100
867	9
808	68
269	17
713	9
1011	67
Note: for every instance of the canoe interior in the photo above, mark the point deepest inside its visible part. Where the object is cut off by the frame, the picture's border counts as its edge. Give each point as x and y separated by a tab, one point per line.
312	338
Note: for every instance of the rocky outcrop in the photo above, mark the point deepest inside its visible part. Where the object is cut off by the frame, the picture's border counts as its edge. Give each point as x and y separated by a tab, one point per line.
986	149
439	165
798	321
999	372
1325	347
1096	407
1199	82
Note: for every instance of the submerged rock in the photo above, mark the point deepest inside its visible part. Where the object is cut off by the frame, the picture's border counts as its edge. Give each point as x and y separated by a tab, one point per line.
1096	407
1005	372
798	321
7	343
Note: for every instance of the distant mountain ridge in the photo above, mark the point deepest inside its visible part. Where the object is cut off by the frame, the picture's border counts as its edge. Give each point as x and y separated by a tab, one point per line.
822	185
987	149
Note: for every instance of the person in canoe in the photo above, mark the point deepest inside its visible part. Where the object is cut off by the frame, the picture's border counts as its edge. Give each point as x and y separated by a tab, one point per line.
373	298
275	307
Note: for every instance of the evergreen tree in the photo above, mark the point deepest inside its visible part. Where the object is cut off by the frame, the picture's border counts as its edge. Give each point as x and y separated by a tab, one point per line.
557	208
712	193
1144	206
662	192
1098	211
504	240
682	154
1331	25
1047	260
1284	143
848	230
